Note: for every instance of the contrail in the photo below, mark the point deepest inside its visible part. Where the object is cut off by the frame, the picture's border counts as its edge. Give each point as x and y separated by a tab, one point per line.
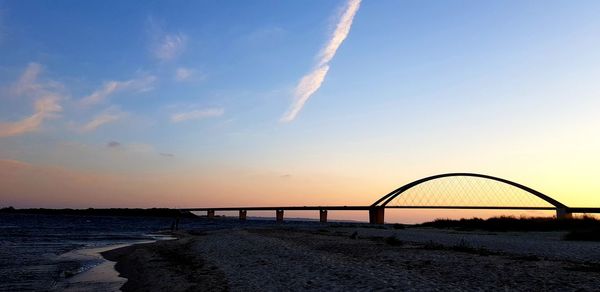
311	82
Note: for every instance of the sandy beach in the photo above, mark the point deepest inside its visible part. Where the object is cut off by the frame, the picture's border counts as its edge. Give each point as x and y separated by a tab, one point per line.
346	257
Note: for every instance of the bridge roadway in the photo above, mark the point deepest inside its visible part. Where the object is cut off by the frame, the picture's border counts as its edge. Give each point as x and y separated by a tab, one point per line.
376	213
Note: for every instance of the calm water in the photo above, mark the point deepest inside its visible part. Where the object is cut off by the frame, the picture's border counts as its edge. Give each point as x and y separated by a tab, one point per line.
31	245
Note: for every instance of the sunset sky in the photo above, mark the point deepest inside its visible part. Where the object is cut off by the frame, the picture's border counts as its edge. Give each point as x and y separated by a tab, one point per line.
227	103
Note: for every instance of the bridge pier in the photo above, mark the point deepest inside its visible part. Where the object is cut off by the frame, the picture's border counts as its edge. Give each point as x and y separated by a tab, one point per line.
243	215
210	214
376	215
323	216
563	213
279	215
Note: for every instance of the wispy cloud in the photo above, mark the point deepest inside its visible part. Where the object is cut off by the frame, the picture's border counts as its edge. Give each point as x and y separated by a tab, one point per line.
27	82
197	114
11	164
110	115
170	46
46	105
136	148
187	74
307	86
139	148
119	147
341	32
141	84
165	46
312	81
113	144
182	74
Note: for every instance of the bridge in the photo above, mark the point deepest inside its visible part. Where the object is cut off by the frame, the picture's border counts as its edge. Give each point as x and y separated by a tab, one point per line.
443	191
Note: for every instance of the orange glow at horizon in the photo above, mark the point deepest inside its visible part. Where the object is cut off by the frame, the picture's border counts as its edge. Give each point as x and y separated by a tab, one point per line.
62	188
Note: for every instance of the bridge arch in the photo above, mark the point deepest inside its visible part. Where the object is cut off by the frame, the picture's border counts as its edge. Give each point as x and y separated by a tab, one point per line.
385	200
376	210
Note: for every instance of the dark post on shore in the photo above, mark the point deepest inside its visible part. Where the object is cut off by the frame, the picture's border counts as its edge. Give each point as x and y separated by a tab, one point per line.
175	224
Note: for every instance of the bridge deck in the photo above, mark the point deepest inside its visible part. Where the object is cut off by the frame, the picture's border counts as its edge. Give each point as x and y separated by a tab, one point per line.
376	213
584	210
333	208
289	208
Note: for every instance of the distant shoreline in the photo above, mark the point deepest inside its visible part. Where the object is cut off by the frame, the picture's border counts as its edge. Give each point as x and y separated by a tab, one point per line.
137	212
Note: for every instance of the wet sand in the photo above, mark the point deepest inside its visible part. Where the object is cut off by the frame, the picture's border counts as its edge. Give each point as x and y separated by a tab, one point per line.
355	258
170	265
99	274
101	277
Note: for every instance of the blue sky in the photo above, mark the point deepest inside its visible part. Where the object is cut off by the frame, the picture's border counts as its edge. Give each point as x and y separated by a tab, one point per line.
183	88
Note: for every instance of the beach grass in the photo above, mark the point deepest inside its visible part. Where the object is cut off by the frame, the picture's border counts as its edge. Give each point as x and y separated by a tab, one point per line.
509	223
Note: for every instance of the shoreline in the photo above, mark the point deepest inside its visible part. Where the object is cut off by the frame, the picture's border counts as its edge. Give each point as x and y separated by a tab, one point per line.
100	276
97	272
164	266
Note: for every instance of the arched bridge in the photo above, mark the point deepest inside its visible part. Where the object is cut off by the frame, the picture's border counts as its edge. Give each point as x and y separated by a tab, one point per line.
443	191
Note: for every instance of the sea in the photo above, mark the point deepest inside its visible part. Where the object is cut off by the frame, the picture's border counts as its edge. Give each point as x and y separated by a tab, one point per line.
39	252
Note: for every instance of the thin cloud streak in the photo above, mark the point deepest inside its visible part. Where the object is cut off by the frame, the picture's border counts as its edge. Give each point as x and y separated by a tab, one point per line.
141	84
312	81
308	85
46	105
197	114
341	32
139	148
108	116
27	82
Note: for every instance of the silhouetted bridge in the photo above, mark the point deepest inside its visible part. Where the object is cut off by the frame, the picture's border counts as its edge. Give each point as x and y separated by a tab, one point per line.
444	191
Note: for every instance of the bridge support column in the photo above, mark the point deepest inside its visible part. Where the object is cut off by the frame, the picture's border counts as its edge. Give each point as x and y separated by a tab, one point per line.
376	215
279	216
563	213
242	215
323	216
210	214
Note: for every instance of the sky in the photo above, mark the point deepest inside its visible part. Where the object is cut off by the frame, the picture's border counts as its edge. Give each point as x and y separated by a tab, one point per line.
228	103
